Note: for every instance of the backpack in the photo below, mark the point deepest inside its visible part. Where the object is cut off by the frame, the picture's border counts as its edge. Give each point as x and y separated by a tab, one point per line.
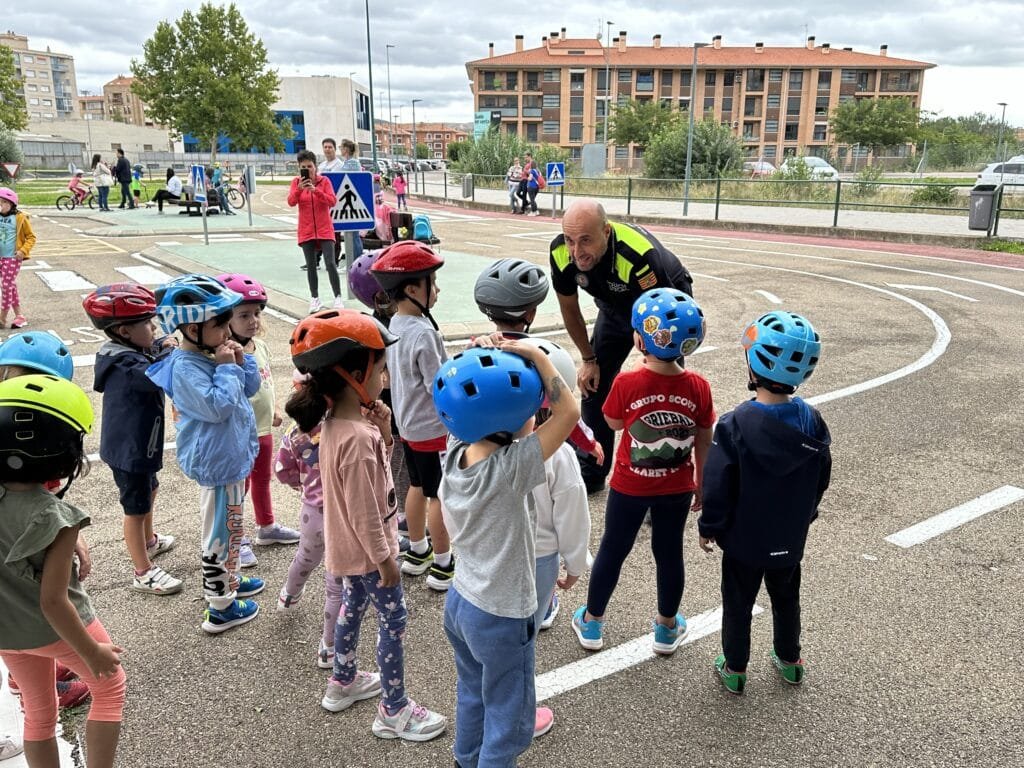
421	229
541	181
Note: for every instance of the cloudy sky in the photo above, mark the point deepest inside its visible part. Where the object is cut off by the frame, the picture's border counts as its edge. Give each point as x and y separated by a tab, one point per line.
978	46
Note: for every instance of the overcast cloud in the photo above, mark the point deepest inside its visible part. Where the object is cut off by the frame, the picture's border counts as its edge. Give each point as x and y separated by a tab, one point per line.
978	46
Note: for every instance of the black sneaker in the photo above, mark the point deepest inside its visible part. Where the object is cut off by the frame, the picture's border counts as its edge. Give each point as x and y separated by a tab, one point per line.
415	564
594	485
439	579
403	527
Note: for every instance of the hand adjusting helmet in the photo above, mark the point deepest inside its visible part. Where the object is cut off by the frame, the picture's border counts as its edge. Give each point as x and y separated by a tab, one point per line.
193	299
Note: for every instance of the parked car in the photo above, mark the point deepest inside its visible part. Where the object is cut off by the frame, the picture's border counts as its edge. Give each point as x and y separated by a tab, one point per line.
438	165
1008	172
818	167
758	169
367	164
424	165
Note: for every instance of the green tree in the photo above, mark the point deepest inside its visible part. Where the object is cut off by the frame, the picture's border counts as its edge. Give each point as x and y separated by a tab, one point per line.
12	104
717	151
875	122
492	153
10	152
964	142
207	74
638	122
422	151
457	149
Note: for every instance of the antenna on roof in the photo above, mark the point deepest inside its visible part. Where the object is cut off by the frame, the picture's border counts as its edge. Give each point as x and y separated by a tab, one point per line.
599	35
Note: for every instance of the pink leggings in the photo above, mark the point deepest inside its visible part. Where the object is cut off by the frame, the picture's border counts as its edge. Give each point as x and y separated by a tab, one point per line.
257	484
36	674
9	269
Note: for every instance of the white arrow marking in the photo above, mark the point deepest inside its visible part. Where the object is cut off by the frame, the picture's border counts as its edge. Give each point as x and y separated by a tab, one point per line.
957	516
770	296
930	288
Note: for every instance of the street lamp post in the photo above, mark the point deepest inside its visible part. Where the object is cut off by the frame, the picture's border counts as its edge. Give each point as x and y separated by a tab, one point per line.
689	133
415	178
1002	153
355	127
391	141
369	66
607	87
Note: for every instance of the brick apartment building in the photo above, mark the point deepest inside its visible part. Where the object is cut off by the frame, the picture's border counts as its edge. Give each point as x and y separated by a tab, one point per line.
122	104
47	79
437	137
777	99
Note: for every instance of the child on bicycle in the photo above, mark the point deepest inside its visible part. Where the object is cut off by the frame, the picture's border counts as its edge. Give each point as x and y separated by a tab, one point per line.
79	187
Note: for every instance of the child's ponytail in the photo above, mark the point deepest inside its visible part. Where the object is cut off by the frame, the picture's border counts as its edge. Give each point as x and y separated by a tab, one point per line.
309	402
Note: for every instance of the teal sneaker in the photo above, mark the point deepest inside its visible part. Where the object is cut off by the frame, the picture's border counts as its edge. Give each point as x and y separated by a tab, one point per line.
734	682
667	639
240	612
589	632
792	673
249	586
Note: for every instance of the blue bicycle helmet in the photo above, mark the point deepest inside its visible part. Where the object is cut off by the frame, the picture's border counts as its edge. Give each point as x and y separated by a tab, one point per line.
669	322
42	352
782	347
483	392
192	299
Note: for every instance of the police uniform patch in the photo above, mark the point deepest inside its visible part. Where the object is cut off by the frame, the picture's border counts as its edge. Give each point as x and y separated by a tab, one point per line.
582	280
647	281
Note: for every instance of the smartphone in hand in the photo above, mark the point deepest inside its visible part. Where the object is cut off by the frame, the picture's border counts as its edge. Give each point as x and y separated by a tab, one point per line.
304	173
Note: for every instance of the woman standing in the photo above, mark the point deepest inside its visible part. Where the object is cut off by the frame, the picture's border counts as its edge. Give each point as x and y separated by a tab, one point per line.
104	180
314	196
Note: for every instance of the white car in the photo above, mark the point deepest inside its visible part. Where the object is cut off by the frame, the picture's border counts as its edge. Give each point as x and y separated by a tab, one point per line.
818	167
1009	172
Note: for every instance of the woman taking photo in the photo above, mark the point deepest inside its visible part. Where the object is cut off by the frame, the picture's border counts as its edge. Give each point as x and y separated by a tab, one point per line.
171	190
104	180
314	196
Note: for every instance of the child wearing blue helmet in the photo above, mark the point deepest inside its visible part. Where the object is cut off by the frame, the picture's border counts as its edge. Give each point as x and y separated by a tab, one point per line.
764	477
487	399
666	413
210	380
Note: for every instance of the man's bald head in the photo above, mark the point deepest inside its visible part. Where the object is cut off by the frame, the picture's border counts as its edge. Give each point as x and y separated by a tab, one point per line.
586	230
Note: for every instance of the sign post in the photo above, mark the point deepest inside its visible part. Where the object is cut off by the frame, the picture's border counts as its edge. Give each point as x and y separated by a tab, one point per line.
555	178
353	210
197	175
248	184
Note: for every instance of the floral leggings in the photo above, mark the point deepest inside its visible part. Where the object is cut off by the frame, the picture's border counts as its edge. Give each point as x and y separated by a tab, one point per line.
357	594
10	266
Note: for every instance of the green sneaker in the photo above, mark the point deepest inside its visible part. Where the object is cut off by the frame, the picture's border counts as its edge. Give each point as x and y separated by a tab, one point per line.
734	682
791	673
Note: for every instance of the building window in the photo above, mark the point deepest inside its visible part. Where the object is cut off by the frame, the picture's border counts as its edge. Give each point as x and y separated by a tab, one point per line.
825	80
576	132
645	80
774	100
531	131
44	88
793	105
684	105
533	81
147	147
750	132
709	79
729	78
622	153
576	106
552	100
30	73
602	80
601	106
622	100
666	103
638	153
552	75
625	75
28	59
789	151
792	131
771	126
575	81
774	75
31	87
726	105
575	153
819	132
666	77
684	78
34	102
796	78
550	127
752	106
769	152
755	79
47	102
821	106
709	103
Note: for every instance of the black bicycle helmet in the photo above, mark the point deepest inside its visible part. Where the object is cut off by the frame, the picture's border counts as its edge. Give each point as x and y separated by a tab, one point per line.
510	288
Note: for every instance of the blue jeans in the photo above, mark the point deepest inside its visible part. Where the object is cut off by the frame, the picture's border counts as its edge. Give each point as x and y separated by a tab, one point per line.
495	697
104	193
356	596
547	575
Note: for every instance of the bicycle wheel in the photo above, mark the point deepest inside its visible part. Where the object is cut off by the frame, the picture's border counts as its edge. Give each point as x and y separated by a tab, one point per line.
91	200
235	198
66	202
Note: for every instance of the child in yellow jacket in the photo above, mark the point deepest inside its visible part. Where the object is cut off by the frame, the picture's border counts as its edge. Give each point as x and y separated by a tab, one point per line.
16	242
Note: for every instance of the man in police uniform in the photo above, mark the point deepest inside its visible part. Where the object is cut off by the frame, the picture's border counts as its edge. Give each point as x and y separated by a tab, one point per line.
614	263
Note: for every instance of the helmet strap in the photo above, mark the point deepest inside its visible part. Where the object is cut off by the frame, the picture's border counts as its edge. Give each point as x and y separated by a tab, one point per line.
198	341
357	386
243	340
419	306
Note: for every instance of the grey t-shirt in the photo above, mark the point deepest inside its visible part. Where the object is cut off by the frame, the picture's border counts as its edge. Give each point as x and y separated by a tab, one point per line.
413	362
489	513
29	523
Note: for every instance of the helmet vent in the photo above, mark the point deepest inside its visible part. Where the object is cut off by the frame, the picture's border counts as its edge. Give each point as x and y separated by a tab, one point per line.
34	387
486	361
25	416
671	315
25	435
513	378
469	388
766	361
797	357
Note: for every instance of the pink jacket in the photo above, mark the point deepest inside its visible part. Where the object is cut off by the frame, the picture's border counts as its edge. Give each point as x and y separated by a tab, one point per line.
298	464
314	209
399	185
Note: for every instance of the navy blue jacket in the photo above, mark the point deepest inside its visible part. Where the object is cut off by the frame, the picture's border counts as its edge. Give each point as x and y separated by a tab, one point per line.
762	483
132	431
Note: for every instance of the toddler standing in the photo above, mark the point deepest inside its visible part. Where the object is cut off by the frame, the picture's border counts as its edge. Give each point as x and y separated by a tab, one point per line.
16	242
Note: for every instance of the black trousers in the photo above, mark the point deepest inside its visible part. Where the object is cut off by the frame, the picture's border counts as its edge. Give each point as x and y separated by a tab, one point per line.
126	195
161	195
740	585
612	342
622	520
523	195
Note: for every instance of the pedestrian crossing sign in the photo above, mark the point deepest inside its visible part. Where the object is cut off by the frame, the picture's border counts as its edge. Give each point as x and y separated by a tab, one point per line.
556	174
353	208
197	176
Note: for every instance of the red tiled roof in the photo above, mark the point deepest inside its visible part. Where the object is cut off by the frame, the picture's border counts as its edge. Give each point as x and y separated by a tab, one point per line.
557	53
120	81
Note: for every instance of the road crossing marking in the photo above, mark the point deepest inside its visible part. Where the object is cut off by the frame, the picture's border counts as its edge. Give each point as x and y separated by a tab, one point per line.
79	246
280	235
608	662
482	245
930	288
33	264
166	243
62	280
144	275
957	516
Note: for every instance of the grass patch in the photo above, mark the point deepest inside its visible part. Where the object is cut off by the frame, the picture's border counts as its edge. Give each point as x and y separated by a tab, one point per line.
1003	246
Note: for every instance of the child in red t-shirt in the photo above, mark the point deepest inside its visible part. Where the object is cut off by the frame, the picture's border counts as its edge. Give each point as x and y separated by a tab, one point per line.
667	415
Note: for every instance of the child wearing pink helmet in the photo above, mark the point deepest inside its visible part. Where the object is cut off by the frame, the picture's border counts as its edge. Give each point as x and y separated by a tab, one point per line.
16	242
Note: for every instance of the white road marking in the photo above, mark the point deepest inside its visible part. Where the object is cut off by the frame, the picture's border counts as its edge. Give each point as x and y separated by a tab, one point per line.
930	288
165	243
957	516
83	361
144	260
710	277
540	253
288	218
144	275
608	662
65	281
94	457
770	296
33	264
280	235
481	245
281	316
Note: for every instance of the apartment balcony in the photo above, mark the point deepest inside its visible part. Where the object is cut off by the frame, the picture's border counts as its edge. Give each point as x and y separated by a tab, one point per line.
532	112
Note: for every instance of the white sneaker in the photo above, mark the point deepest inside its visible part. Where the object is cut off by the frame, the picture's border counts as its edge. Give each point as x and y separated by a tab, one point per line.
275	533
324	656
157	581
339	303
288	603
315	305
339	697
163	544
10	747
412	723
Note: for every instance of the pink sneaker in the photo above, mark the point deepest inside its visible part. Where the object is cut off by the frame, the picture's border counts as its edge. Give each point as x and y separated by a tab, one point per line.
19	322
543	721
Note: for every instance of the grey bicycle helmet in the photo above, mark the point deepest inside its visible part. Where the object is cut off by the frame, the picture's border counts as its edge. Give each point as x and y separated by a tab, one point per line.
510	288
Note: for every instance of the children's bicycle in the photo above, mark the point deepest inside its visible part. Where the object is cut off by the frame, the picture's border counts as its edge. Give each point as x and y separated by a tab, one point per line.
70	202
235	194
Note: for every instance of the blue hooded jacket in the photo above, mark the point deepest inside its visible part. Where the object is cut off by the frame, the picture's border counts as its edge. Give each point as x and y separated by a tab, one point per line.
763	480
132	435
216	426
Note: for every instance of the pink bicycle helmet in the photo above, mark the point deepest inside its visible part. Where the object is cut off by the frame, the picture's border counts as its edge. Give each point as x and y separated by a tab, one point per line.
8	194
363	284
251	291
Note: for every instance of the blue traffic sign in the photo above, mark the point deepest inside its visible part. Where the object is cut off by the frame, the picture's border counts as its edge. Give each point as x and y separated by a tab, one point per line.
353	211
197	176
556	174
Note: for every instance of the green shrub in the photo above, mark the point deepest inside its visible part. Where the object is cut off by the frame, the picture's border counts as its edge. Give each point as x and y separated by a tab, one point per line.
866	185
933	194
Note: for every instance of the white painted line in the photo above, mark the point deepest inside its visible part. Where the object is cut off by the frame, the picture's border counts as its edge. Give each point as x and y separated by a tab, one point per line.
770	296
608	662
280	235
33	264
704	349
540	253
281	316
144	260
481	245
957	516
163	243
930	288
93	457
83	361
144	275
710	277
65	281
